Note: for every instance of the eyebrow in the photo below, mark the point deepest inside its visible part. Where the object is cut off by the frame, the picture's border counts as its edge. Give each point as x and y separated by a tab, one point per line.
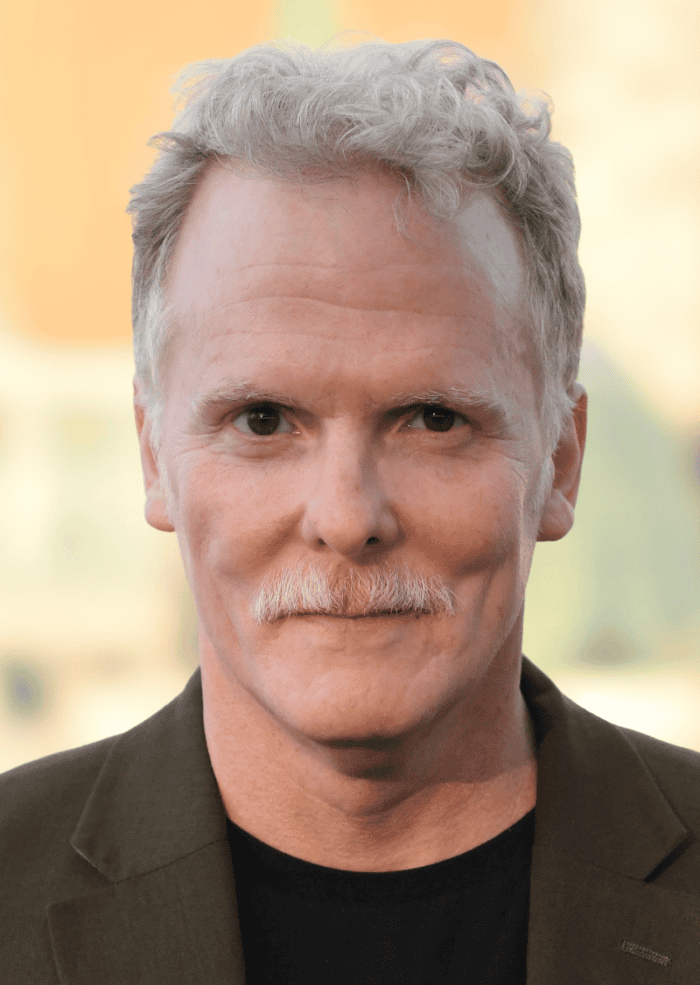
469	399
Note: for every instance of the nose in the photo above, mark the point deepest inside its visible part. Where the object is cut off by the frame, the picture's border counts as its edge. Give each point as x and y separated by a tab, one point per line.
347	510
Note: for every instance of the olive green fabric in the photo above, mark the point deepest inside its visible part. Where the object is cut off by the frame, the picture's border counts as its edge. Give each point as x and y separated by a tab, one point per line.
115	868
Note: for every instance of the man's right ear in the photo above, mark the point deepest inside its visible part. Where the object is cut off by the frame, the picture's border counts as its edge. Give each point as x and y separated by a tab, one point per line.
156	506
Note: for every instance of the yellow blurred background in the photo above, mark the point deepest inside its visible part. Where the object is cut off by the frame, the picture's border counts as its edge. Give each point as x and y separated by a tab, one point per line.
97	626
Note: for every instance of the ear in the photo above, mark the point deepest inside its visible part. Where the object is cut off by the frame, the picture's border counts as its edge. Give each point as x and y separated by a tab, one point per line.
558	513
156	506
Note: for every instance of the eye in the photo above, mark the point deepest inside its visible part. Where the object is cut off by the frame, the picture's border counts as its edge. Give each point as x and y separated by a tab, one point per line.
262	420
437	418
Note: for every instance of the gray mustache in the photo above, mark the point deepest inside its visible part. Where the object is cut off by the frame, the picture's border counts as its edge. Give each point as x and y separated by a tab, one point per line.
303	590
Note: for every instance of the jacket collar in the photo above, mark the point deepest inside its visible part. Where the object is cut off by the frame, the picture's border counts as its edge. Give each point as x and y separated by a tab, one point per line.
603	829
596	799
155	799
154	826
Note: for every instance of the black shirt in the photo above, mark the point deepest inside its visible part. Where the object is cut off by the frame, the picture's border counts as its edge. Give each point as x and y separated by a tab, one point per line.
460	920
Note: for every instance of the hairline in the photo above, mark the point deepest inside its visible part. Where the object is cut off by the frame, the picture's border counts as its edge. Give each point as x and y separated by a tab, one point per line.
173	322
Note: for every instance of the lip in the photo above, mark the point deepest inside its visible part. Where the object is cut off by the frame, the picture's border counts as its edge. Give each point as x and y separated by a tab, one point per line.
369	615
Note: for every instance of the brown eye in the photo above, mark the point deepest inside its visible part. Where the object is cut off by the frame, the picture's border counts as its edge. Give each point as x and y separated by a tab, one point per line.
262	420
437	418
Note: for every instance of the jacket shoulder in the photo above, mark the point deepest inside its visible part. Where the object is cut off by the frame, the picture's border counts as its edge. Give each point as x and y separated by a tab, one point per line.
40	805
50	788
676	770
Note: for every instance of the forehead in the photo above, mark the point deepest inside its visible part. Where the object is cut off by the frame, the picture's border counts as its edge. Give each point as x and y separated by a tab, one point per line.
328	256
342	225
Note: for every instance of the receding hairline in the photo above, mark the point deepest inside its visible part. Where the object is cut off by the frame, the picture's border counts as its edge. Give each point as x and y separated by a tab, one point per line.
176	321
382	100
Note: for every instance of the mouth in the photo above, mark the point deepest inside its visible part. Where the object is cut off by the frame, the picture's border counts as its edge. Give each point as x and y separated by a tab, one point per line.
364	615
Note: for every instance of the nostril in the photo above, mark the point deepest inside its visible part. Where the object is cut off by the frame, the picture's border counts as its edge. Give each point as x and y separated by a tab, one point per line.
373	540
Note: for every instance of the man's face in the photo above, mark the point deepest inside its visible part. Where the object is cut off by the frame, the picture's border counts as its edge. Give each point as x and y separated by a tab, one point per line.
310	298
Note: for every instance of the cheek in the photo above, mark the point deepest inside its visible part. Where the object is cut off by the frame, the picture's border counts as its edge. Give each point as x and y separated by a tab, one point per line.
236	520
474	524
232	518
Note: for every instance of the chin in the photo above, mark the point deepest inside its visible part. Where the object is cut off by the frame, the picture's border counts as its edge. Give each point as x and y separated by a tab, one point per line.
375	711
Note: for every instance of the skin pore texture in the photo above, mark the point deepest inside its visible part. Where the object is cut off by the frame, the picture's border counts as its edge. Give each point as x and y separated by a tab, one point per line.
379	742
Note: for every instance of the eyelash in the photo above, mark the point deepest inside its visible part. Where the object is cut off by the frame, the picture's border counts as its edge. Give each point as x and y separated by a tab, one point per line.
412	411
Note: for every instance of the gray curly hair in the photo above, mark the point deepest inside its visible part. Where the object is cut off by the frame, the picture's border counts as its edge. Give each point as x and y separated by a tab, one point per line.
436	114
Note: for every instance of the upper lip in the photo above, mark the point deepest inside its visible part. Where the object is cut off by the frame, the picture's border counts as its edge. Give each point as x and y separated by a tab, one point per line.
360	615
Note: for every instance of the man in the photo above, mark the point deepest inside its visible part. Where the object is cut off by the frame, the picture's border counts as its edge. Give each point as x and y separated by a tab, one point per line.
357	319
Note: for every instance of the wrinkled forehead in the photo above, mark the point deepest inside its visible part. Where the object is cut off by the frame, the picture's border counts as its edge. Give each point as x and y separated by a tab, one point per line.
238	227
267	217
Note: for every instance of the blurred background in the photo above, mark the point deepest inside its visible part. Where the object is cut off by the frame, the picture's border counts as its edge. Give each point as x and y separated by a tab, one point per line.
97	625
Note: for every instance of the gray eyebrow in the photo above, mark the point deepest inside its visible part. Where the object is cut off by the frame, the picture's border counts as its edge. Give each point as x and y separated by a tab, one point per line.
468	398
230	393
462	397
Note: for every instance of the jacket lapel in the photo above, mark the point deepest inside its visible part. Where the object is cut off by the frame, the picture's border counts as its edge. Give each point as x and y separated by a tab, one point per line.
601	910
154	826
177	924
588	925
602	829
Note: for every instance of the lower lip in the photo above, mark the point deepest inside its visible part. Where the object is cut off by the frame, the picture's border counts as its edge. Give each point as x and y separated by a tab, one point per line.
379	615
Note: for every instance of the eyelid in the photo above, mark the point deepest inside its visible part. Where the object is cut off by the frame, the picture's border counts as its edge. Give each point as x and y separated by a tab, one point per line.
239	411
416	408
397	413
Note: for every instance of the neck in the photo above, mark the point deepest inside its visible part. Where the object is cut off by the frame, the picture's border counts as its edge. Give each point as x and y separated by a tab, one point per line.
376	807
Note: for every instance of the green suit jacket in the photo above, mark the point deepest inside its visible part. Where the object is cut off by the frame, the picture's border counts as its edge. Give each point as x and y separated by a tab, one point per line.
115	868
